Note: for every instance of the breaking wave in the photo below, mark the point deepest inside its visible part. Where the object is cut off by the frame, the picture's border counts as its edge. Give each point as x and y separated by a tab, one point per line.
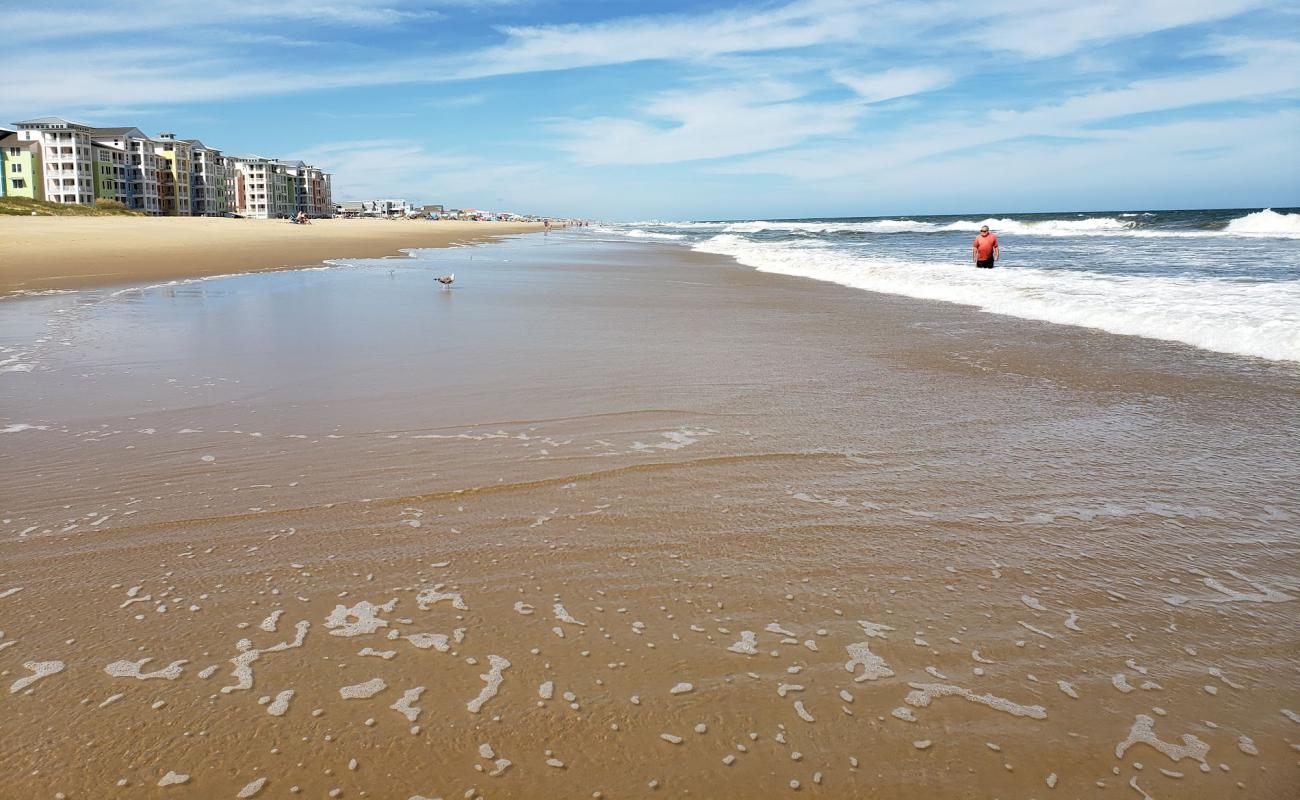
1246	318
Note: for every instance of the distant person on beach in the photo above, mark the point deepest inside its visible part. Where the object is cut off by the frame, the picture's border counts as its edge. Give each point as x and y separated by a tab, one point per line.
986	248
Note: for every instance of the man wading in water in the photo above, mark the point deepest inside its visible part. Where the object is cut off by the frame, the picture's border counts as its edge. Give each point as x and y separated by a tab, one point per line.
986	249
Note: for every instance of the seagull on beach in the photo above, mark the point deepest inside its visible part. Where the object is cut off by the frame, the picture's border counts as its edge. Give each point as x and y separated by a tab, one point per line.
446	280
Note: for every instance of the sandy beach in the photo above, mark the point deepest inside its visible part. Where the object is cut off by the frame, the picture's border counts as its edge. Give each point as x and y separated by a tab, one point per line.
41	253
613	520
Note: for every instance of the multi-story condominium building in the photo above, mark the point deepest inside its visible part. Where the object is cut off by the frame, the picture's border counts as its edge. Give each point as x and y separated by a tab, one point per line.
4	134
294	182
251	181
265	188
207	180
66	158
110	172
308	189
174	179
20	161
319	194
51	158
142	165
230	168
285	188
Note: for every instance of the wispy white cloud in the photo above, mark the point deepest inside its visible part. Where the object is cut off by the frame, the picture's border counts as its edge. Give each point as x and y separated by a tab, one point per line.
1268	72
71	19
1044	28
670	37
713	123
895	82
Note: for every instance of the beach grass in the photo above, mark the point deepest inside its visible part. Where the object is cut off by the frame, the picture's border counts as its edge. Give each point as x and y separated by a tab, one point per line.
26	207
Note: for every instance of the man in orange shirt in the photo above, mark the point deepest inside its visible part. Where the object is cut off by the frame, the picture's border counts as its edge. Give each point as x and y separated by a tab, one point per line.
986	249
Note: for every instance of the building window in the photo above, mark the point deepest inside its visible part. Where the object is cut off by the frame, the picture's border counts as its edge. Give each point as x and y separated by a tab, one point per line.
15	167
19	183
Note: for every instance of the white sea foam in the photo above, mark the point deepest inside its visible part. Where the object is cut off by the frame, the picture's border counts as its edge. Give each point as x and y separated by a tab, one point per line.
637	233
132	669
923	694
873	666
746	645
1253	319
1006	225
868	226
39	670
1266	223
428	597
1143	732
492	682
358	620
405	704
19	427
17	293
280	705
363	691
1045	227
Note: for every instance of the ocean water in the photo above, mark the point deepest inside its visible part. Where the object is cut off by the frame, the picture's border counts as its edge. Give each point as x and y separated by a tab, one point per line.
1226	280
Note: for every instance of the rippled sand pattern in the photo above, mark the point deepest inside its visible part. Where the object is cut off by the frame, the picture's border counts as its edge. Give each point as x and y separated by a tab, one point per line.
757	538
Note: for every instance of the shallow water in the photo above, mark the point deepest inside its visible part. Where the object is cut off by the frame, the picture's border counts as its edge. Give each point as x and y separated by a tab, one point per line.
1226	280
896	548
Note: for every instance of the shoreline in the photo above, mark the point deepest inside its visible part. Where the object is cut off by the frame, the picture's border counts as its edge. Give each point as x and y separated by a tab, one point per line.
68	253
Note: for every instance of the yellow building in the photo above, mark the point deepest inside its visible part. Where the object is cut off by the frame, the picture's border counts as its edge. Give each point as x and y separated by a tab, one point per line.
174	178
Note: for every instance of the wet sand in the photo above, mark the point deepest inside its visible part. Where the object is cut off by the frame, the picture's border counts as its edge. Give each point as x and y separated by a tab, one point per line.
623	521
43	253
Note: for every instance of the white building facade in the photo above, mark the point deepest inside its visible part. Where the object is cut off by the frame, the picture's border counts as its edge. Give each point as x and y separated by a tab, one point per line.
207	180
67	158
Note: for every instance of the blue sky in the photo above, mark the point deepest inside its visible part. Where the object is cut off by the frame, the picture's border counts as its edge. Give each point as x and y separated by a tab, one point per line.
690	110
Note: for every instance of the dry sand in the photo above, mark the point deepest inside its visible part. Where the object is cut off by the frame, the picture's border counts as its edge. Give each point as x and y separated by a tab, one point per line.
380	539
38	253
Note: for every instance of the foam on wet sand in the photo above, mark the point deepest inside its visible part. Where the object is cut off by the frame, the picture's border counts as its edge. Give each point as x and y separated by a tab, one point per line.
39	670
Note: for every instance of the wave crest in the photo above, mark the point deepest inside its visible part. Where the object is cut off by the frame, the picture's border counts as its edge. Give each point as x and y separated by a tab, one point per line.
1266	223
1006	225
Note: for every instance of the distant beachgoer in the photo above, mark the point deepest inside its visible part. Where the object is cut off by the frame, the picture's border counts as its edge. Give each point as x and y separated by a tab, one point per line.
986	250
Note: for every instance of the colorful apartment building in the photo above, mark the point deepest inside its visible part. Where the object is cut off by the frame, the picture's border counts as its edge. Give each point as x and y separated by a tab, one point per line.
21	164
207	180
110	172
51	158
265	188
142	166
230	168
66	159
174	181
294	179
318	198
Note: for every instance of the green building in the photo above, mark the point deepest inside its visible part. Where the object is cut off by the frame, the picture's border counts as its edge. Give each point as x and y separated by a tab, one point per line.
21	162
109	168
